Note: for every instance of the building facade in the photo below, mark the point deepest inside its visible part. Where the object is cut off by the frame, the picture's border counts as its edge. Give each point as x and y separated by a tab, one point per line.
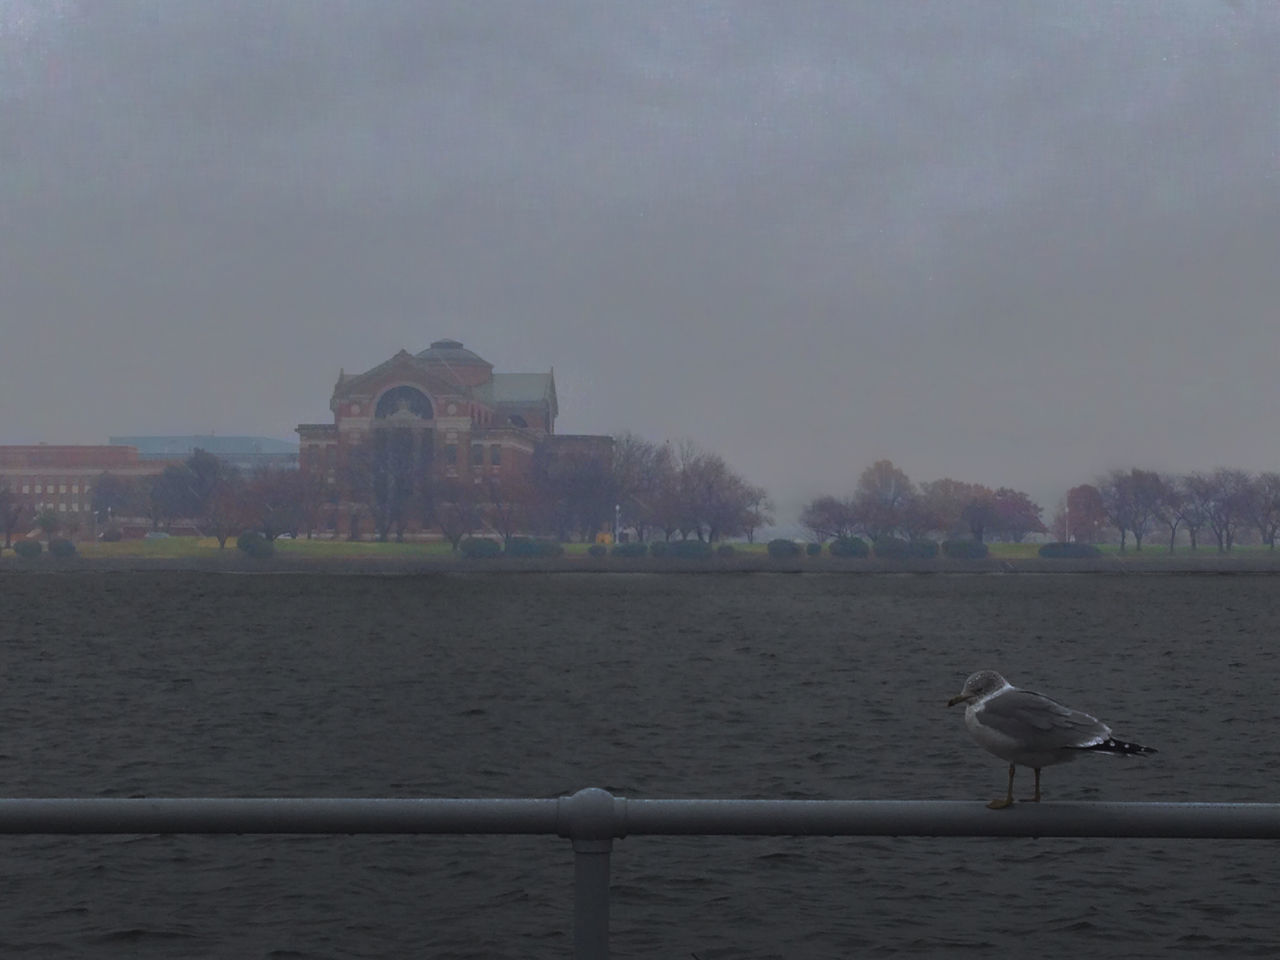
437	426
61	478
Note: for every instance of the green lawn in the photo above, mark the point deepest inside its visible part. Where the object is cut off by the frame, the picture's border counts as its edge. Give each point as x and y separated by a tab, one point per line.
192	548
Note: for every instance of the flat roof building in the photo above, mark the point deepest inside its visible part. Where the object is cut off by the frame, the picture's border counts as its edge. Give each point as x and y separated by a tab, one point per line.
245	453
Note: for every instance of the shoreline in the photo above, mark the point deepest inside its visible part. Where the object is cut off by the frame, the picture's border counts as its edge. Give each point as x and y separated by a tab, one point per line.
235	563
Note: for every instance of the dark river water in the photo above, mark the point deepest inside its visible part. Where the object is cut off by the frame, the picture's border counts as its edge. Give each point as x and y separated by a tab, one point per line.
759	685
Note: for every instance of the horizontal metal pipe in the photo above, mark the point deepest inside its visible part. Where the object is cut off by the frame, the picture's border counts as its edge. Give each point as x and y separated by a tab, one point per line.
286	815
596	815
946	818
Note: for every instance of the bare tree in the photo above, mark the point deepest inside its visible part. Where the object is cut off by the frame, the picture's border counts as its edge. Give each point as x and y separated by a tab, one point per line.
1171	507
1131	500
576	491
319	502
1195	492
1147	495
1227	505
510	507
358	486
455	512
829	518
955	508
979	512
882	497
48	522
226	508
11	510
1264	506
635	479
273	501
718	500
759	511
667	504
115	496
1085	514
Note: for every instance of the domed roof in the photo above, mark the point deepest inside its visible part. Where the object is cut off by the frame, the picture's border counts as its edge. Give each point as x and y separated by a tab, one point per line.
451	352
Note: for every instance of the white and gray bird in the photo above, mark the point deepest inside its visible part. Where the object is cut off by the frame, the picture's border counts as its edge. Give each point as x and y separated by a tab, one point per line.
1030	729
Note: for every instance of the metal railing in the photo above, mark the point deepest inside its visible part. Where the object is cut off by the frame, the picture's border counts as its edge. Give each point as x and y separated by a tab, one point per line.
593	818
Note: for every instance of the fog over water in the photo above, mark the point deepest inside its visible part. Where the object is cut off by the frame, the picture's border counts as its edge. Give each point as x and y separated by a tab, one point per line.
1012	245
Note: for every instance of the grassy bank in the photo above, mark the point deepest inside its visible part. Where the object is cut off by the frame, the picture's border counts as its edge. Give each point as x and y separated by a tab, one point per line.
205	551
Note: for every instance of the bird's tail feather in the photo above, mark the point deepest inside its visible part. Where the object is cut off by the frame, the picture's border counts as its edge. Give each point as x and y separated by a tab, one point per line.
1118	748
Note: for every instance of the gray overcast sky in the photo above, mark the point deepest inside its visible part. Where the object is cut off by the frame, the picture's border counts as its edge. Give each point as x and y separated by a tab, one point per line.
1015	244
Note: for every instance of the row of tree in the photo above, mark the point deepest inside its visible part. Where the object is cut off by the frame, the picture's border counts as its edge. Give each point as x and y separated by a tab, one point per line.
668	491
1225	505
886	503
647	489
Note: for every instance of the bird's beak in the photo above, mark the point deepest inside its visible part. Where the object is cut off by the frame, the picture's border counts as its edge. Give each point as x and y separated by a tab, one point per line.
958	698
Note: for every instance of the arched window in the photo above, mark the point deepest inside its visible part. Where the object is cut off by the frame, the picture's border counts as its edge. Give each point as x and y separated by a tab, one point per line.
403	400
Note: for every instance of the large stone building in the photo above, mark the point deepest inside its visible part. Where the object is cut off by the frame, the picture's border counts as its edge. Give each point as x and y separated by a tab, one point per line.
438	424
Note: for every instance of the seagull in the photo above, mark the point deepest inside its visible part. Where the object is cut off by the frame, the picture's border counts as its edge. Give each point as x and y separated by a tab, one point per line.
1030	729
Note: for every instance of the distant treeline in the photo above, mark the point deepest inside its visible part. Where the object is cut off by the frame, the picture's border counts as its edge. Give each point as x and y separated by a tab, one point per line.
1229	506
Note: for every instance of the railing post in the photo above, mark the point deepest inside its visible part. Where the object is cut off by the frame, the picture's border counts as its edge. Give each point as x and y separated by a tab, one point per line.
591	899
589	818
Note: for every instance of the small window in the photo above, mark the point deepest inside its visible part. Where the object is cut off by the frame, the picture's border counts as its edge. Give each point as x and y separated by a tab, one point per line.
26	488
75	488
75	508
39	488
495	454
62	508
62	488
477	455
451	453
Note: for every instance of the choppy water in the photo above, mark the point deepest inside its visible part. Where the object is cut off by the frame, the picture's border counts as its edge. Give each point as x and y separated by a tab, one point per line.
756	685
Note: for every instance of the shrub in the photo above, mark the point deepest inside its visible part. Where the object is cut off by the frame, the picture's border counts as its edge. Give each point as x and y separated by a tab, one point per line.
782	549
528	547
659	548
849	547
598	550
478	548
28	549
1069	551
812	549
111	535
255	545
965	549
725	550
921	549
890	548
631	550
62	548
689	549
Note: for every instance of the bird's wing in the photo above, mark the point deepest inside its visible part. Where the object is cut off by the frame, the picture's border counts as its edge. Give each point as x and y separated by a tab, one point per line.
1025	716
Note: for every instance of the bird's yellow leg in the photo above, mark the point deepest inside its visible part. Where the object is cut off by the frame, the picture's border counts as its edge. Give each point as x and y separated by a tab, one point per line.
1036	798
1008	798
